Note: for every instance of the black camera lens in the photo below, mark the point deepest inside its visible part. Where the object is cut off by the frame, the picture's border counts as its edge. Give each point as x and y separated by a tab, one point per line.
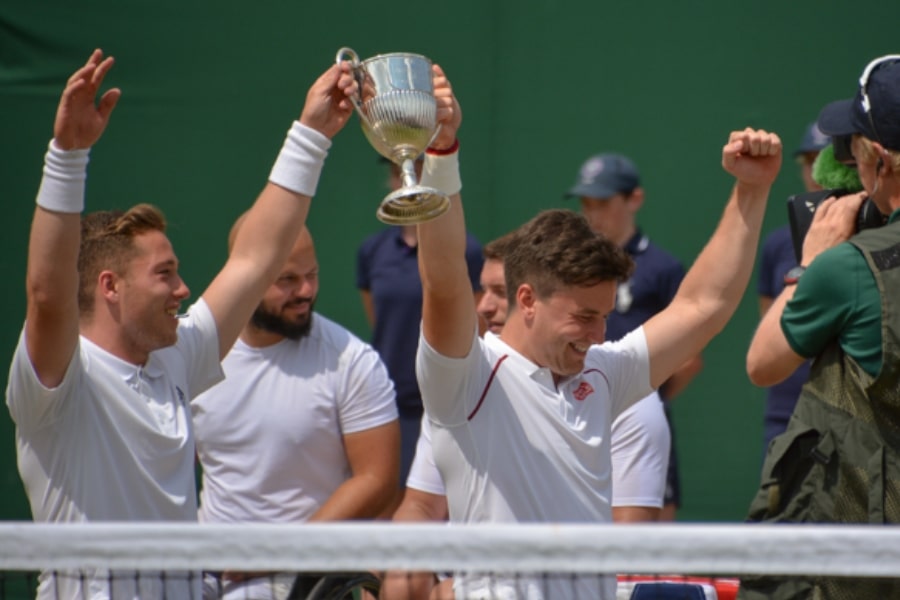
842	152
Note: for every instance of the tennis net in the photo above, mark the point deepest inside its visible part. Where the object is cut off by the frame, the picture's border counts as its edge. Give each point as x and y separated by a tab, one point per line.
177	560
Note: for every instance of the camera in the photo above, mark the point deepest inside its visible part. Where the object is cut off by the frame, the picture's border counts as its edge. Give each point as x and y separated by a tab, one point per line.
842	150
802	207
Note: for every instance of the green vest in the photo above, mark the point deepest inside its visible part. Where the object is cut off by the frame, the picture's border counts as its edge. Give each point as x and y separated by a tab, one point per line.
839	459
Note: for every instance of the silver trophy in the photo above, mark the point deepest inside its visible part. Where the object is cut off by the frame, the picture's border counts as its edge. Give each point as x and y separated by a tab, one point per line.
397	109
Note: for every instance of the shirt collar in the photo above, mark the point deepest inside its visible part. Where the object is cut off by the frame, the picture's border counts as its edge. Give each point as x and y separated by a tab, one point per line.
638	243
541	375
895	216
397	234
126	370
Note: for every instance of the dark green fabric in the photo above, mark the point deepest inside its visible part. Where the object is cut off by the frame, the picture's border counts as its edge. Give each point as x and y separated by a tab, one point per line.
851	314
839	460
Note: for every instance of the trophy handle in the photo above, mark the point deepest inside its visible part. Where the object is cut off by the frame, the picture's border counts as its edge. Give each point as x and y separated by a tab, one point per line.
349	54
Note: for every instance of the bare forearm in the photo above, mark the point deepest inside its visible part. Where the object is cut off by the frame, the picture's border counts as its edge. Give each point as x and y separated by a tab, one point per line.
52	273
360	497
51	321
448	312
717	281
711	290
421	506
770	359
267	233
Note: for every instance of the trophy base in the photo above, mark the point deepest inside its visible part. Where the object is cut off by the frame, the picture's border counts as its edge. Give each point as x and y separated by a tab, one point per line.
411	205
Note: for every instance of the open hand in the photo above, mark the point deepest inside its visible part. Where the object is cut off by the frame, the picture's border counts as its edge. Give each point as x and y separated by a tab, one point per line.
328	106
79	121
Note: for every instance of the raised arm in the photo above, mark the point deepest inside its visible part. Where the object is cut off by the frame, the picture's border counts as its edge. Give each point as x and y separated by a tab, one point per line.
713	287
276	218
771	359
51	321
448	313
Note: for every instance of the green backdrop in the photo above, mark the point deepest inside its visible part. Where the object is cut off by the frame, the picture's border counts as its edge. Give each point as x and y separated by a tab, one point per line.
209	90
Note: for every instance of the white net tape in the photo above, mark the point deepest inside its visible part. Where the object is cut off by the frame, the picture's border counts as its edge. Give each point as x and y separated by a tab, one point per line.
858	551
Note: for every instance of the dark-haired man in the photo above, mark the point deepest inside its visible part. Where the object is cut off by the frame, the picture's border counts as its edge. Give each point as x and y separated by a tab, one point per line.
521	423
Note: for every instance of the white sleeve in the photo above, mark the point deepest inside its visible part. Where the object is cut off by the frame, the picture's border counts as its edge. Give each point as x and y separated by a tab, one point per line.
198	344
367	398
450	386
639	446
627	364
31	404
423	474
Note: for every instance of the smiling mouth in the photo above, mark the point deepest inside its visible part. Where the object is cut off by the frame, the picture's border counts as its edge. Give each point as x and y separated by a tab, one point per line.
580	348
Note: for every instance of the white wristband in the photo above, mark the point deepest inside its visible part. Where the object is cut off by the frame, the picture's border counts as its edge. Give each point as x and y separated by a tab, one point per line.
62	186
441	172
300	161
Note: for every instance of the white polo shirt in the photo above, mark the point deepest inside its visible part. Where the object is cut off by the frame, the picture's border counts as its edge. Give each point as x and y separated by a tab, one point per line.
113	441
639	449
512	446
270	437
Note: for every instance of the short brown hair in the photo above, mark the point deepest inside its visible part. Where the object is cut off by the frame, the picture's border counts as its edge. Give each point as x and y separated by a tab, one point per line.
107	243
500	247
557	248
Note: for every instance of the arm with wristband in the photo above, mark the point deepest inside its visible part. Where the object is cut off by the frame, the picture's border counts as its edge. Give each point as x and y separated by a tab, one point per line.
448	313
51	321
276	218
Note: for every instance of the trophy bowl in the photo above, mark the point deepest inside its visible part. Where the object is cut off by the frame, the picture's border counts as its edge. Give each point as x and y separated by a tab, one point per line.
398	114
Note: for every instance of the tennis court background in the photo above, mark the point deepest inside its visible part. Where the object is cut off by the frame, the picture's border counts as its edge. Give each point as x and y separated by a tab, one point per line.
209	90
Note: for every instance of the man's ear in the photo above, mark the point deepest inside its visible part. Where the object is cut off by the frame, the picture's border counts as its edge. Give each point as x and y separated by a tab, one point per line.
525	299
884	160
635	199
108	282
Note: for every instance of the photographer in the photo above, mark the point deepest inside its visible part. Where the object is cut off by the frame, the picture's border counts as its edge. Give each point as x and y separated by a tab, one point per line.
838	460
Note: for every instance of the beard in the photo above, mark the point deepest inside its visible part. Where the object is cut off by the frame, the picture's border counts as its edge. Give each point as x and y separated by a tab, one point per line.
266	320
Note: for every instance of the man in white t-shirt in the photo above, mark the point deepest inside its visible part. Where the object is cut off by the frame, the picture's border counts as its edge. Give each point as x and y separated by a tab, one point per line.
521	424
304	427
104	372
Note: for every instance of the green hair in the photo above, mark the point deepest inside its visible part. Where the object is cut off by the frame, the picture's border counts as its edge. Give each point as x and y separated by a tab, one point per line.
830	173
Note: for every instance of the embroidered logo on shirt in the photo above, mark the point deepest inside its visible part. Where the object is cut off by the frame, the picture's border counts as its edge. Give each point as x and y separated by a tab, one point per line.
583	390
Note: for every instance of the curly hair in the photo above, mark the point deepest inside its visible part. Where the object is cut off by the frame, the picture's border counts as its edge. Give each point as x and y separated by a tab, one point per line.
557	248
107	243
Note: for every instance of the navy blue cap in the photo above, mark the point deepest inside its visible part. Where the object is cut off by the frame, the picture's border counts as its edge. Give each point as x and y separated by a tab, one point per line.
813	140
604	176
882	122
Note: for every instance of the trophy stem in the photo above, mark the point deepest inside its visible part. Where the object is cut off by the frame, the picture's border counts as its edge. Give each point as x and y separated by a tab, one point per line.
408	169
